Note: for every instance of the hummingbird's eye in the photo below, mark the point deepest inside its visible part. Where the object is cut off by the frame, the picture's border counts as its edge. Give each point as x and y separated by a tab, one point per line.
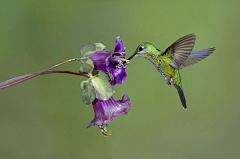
140	48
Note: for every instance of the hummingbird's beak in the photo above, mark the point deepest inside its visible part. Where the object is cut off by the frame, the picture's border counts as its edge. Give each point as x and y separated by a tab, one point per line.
132	56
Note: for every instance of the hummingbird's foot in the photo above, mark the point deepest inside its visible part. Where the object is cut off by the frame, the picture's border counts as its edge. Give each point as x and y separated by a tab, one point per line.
172	81
167	80
104	131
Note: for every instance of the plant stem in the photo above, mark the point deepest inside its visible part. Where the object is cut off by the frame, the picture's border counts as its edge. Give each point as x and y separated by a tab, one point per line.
22	78
68	72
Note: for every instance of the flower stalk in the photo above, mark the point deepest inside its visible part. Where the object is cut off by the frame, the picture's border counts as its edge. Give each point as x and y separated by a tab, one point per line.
23	78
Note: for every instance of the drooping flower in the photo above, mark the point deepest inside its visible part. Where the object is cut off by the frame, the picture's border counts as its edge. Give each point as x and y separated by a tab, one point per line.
112	62
106	111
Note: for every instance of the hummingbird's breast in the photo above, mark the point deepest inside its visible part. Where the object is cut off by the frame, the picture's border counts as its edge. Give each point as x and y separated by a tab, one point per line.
161	63
164	67
170	74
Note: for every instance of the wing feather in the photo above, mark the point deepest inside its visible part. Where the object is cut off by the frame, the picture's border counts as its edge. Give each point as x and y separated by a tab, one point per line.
196	56
180	50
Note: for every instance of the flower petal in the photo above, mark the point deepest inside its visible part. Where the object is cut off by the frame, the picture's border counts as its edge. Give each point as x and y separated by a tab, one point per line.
106	111
99	59
119	45
119	76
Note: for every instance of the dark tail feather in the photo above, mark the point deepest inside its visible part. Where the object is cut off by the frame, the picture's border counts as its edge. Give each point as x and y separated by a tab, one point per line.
181	95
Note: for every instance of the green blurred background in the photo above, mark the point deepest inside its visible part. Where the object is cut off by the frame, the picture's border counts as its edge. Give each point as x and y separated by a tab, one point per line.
45	116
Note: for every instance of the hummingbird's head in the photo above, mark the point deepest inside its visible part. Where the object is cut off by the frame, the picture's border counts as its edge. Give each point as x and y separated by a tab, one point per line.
144	50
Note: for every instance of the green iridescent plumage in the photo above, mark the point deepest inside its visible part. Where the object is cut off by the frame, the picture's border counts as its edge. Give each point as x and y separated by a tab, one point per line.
174	58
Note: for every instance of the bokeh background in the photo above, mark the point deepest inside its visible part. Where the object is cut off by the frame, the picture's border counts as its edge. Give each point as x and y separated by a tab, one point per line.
45	116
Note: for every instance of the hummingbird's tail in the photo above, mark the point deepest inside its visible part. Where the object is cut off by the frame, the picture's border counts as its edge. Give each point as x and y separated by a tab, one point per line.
181	95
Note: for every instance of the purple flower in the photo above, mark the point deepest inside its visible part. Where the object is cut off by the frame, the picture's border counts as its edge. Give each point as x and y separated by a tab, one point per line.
112	62
108	110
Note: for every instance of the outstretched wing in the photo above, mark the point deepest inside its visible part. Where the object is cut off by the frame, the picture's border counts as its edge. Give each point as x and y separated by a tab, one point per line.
196	56
179	51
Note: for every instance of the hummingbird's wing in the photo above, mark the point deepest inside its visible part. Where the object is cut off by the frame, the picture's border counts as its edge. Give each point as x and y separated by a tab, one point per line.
196	56
179	51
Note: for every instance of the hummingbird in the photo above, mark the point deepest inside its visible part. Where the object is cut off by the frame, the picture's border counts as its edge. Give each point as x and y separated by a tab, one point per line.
176	57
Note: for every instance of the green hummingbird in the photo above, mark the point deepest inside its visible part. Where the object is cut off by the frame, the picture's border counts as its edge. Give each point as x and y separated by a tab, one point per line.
168	63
